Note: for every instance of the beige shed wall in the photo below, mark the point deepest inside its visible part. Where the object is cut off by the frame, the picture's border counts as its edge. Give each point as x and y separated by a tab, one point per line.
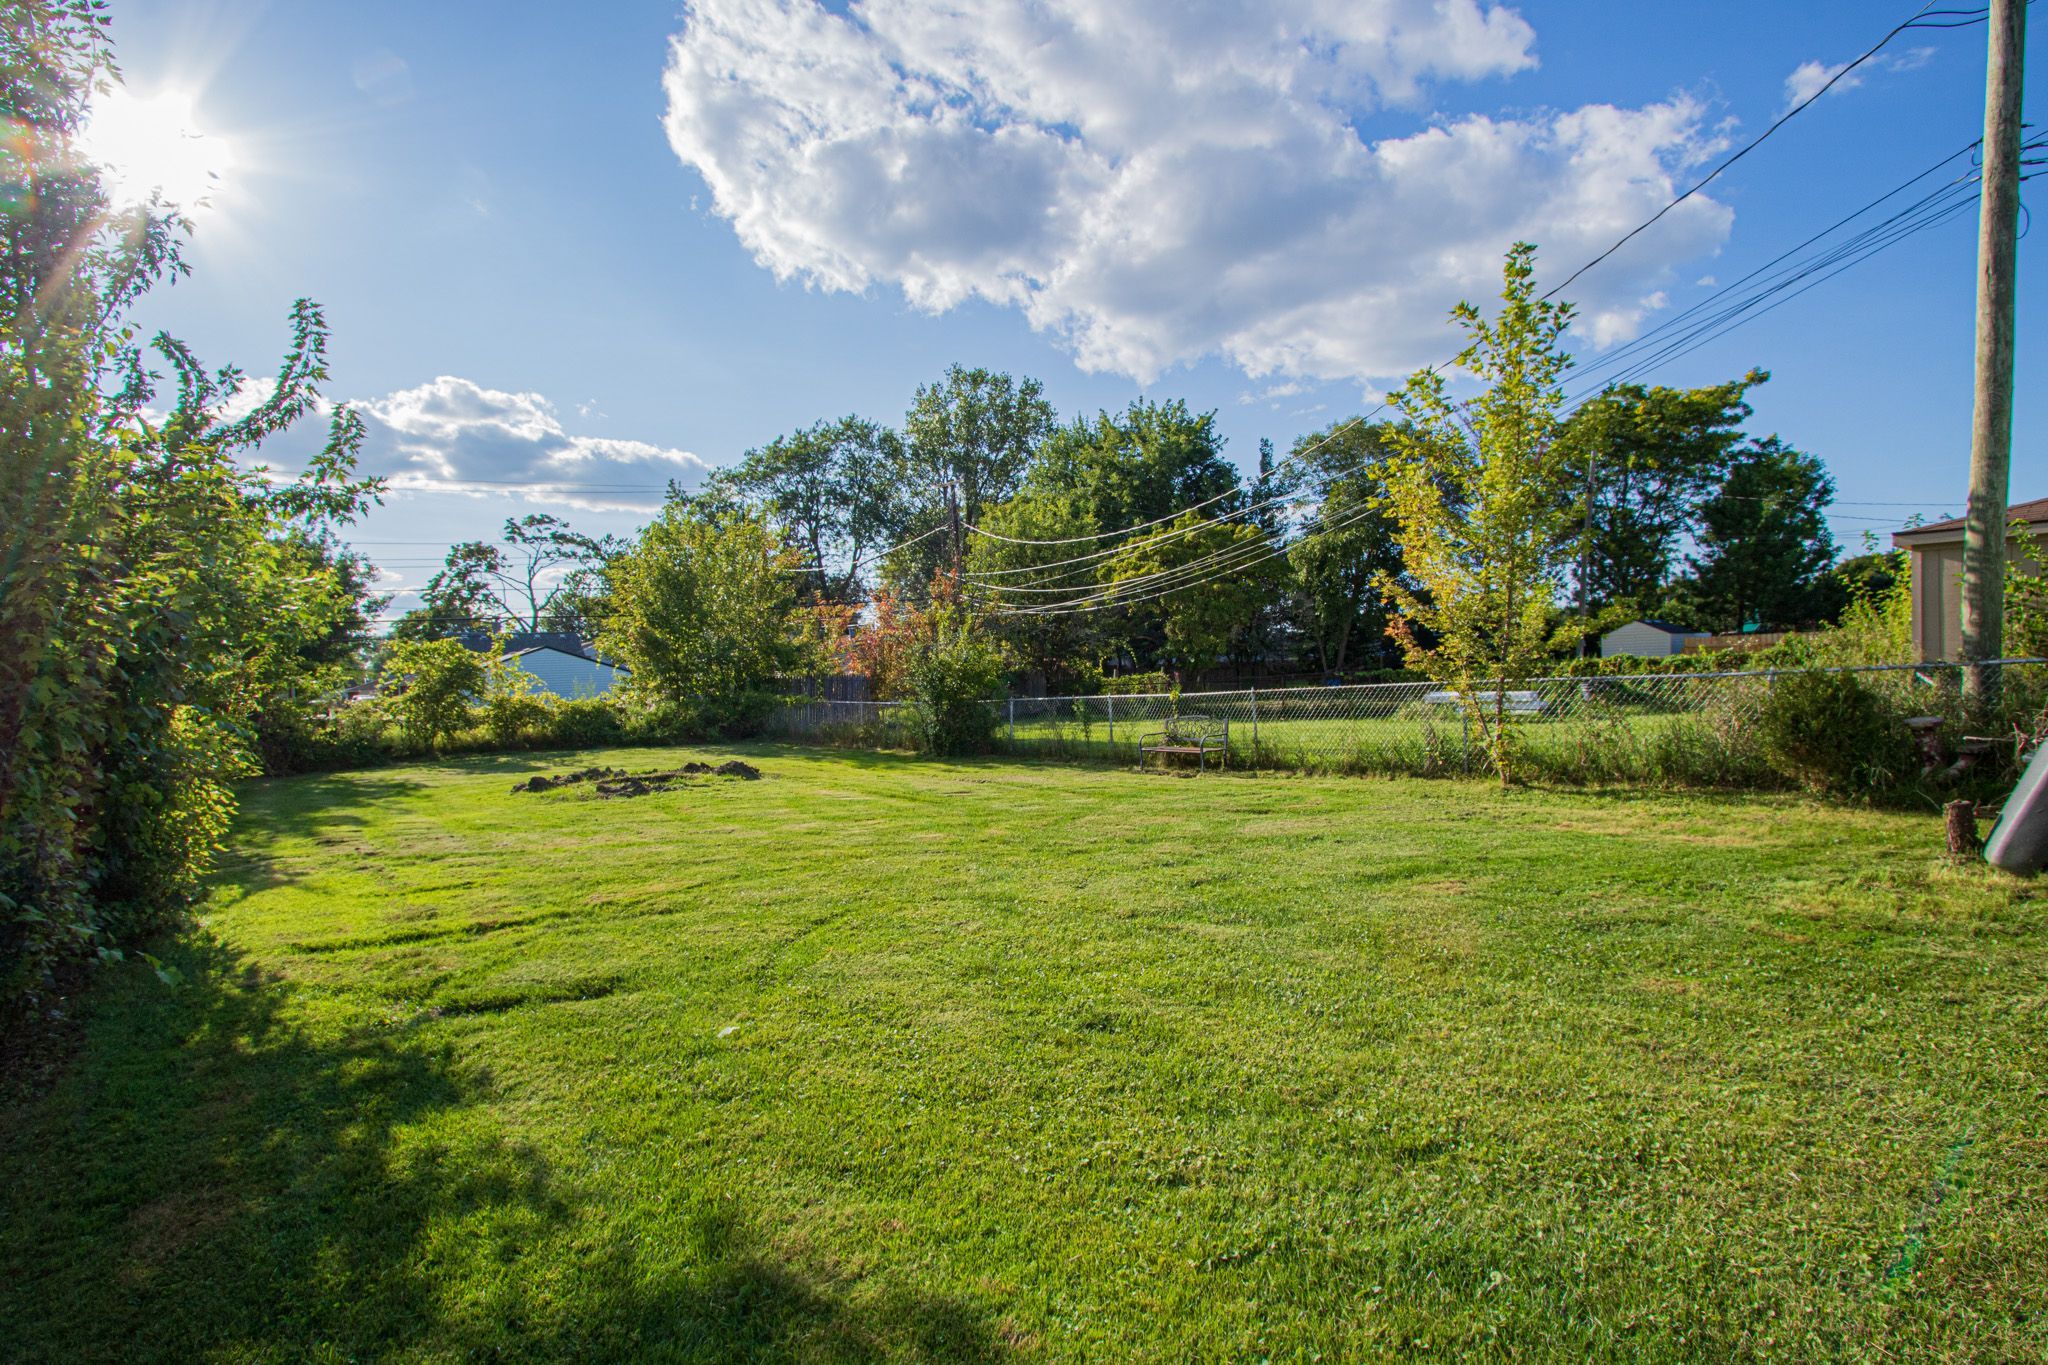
1938	598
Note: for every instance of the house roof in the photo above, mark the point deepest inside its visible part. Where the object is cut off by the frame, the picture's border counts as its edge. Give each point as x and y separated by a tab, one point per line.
2033	513
1664	626
571	653
518	642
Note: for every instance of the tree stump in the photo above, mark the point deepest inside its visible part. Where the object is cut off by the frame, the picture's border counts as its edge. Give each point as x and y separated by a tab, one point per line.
1960	819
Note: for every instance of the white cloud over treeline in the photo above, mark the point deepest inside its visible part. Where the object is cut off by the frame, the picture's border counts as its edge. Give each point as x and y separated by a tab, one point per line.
1157	181
457	435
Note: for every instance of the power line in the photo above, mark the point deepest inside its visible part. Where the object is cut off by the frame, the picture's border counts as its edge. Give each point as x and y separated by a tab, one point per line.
1744	151
1752	145
1650	339
1916	218
1840	259
1245	554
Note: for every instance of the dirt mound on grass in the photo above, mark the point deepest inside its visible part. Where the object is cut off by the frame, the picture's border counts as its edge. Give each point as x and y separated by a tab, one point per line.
537	783
610	783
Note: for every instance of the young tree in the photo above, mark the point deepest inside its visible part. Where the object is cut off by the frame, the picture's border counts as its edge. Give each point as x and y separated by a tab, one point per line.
878	646
702	609
955	674
433	687
1482	499
1764	548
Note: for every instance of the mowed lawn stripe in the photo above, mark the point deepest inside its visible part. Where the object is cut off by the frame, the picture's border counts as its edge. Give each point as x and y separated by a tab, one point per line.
885	1058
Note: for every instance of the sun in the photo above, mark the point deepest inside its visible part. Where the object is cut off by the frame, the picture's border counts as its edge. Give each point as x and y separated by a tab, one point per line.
148	145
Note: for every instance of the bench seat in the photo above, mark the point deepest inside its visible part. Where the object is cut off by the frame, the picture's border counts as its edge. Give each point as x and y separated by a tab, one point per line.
1198	736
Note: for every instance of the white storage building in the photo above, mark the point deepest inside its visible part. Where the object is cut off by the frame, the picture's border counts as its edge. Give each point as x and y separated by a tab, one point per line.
1652	639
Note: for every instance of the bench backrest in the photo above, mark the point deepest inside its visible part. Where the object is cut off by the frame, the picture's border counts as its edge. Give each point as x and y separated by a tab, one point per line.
1194	727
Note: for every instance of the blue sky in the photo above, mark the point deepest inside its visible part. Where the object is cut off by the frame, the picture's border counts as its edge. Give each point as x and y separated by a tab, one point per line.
549	239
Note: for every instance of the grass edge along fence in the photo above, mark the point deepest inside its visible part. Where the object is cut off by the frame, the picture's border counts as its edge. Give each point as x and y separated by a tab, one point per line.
1693	729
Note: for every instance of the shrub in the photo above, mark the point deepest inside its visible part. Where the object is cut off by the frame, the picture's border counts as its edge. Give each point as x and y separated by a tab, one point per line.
692	720
1136	684
300	741
515	716
1832	732
169	810
1794	652
437	680
584	723
661	720
739	716
954	676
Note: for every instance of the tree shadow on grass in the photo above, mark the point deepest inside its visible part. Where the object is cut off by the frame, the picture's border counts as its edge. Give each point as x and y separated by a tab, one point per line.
212	1178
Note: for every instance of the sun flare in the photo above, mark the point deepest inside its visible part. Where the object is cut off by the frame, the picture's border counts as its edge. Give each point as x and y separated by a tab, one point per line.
148	145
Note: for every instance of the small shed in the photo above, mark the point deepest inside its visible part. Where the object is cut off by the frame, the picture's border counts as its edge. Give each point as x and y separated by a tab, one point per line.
1937	561
1651	639
564	673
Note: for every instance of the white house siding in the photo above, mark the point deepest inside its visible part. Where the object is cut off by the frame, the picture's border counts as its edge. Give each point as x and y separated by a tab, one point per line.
567	675
1640	637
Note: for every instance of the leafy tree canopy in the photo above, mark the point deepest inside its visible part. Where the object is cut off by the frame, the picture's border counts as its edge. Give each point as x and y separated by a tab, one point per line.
837	488
703	608
1764	547
1144	464
1216	599
1641	459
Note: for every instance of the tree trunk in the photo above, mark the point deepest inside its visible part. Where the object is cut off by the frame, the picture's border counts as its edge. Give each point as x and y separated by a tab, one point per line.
1960	821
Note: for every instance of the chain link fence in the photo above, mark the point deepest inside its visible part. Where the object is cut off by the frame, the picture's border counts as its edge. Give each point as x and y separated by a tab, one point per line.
1692	728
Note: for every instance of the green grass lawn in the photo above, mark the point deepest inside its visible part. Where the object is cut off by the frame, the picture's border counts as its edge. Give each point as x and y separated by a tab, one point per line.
879	1058
1414	741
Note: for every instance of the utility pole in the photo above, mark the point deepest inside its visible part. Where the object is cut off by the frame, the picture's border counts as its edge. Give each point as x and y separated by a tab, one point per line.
1991	416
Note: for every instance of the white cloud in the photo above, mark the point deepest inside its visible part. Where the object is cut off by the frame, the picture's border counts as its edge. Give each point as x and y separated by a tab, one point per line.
252	393
453	431
1810	78
1158	181
1288	389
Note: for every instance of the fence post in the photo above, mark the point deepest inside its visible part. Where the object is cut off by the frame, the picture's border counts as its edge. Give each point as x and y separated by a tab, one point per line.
1013	720
1112	724
1255	729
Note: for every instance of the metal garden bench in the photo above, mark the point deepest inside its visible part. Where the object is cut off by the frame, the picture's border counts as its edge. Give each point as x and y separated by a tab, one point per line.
1197	735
